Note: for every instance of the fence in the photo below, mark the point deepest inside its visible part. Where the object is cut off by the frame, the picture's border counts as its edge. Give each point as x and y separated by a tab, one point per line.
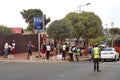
20	40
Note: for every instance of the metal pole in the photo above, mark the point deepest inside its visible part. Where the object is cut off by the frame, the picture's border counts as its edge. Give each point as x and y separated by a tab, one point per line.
112	23
39	37
80	10
39	44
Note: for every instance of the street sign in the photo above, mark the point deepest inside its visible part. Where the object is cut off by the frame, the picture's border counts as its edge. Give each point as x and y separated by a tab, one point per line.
39	23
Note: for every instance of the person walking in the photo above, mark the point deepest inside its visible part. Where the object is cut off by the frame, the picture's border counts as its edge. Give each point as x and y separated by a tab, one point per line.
43	50
96	56
9	49
71	53
30	46
64	51
13	47
78	53
91	53
48	48
74	53
6	46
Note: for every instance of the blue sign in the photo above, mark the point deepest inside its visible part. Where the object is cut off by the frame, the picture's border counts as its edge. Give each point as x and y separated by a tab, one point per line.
39	23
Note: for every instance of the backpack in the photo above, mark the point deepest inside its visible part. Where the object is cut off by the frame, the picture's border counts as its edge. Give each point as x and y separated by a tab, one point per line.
74	50
44	47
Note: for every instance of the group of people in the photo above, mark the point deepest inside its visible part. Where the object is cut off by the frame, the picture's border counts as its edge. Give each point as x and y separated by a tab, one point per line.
9	49
94	51
45	50
74	52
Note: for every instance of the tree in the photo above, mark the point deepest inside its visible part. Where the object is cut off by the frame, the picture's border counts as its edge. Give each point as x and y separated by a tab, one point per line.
114	32
59	30
92	25
73	18
5	30
29	14
86	25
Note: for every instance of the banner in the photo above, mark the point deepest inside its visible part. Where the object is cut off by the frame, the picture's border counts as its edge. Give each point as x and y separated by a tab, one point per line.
39	23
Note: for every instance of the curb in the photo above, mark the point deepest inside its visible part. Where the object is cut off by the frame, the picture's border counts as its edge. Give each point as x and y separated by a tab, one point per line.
31	61
37	61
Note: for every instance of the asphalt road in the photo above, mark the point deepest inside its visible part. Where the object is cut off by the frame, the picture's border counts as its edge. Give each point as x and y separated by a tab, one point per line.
58	71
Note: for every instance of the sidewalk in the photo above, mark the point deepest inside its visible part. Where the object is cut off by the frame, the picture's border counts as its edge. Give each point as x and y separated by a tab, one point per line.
22	57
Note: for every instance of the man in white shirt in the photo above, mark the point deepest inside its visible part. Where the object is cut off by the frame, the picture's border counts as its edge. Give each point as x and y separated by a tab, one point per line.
13	47
48	48
6	50
64	51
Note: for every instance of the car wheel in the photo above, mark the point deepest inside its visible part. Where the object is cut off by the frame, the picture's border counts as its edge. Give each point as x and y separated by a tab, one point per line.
114	59
104	59
118	59
100	59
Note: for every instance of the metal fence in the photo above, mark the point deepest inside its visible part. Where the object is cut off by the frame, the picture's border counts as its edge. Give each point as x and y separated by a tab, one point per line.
20	40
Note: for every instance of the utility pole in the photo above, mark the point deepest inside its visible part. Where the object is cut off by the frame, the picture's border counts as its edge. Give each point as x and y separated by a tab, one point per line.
112	23
107	31
82	6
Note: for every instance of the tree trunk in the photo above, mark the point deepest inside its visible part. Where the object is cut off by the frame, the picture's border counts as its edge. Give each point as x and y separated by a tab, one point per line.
87	42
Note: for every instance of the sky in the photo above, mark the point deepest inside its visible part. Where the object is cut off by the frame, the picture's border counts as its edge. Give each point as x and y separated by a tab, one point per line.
107	10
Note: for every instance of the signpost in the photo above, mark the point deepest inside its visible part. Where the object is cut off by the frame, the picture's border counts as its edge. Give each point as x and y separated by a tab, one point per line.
39	27
39	24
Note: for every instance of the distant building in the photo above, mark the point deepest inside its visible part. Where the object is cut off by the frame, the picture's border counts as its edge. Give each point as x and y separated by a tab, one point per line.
18	30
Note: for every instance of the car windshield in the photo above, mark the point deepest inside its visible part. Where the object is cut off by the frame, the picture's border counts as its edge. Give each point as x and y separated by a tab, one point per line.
108	49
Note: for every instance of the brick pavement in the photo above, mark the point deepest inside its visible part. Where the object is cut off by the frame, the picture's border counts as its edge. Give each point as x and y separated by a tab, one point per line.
22	57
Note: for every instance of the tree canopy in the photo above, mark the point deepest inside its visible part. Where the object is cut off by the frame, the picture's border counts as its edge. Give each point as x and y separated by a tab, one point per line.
29	14
86	25
5	30
73	18
60	30
114	32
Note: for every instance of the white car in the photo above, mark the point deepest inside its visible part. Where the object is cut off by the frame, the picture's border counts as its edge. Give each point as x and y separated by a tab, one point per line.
109	54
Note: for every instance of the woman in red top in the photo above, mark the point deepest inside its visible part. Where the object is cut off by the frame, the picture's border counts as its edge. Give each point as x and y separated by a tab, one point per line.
43	51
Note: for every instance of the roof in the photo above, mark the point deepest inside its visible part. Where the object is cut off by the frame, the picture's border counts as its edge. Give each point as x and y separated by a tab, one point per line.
17	30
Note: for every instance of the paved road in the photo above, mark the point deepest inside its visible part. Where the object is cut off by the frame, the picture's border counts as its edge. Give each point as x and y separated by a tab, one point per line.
58	71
